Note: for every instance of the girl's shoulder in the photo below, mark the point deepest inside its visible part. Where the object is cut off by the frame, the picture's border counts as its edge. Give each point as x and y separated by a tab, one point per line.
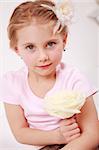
12	77
11	85
73	78
73	74
68	69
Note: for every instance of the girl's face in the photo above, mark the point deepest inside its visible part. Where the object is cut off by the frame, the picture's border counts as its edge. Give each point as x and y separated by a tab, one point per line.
40	49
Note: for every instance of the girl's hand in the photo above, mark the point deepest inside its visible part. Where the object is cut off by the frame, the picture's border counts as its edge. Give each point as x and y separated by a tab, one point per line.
69	130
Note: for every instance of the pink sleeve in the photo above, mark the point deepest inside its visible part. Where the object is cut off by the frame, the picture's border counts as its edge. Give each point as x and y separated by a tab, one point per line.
9	90
83	84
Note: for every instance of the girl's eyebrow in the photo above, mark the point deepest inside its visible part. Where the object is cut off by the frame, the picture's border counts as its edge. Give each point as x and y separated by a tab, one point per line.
50	40
27	44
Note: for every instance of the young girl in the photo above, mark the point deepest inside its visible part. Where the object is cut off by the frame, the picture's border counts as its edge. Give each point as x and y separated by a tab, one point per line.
38	33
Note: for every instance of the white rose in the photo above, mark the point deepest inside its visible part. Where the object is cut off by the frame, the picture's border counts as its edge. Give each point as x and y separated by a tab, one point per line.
64	104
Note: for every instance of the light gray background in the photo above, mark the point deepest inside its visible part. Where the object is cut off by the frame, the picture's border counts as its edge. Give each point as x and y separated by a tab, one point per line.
82	51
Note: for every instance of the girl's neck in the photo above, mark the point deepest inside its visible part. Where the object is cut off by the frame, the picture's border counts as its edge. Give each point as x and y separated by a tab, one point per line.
40	85
40	78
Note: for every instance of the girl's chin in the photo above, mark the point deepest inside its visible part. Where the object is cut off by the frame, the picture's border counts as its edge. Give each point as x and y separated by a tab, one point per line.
44	72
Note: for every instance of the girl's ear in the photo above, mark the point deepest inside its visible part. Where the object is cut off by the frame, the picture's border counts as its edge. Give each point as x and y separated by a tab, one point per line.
16	50
64	38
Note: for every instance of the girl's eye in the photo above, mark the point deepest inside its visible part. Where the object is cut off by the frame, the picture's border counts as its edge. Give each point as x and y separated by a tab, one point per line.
29	47
51	44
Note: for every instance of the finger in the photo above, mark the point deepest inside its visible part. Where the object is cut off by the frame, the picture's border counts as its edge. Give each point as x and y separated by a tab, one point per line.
67	122
71	133
72	126
74	116
64	129
73	137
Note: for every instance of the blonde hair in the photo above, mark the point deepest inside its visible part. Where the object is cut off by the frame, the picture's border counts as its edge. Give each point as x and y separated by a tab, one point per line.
24	14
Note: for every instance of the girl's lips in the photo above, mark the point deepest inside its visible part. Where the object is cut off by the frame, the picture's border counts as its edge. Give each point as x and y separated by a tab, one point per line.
44	66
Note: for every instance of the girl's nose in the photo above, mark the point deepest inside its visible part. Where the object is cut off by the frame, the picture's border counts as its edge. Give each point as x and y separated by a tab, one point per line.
43	56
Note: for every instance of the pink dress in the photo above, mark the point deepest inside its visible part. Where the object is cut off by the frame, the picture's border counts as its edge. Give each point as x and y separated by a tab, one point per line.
14	89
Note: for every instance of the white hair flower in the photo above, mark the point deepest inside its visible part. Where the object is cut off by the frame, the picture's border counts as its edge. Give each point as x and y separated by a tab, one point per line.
63	10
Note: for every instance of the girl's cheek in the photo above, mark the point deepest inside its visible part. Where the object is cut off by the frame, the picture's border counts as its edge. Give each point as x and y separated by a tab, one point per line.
27	59
58	53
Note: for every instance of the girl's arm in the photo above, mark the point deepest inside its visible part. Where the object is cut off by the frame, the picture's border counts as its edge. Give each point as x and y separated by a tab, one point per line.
88	123
21	130
26	135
